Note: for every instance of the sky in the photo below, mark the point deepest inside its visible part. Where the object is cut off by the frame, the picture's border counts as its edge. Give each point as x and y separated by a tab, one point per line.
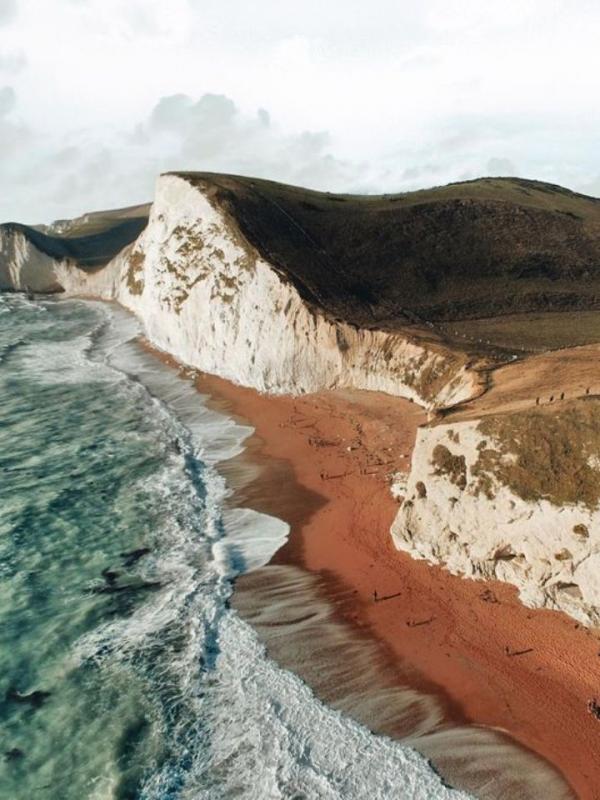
98	97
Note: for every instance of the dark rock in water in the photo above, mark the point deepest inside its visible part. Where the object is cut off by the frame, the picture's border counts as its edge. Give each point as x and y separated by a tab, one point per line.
127	587
35	699
110	576
133	556
14	754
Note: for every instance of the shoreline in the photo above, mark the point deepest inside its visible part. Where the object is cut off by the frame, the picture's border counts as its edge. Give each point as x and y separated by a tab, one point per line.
457	639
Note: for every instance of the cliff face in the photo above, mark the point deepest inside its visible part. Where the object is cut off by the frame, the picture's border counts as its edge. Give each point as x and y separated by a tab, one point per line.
206	296
23	266
512	498
475	249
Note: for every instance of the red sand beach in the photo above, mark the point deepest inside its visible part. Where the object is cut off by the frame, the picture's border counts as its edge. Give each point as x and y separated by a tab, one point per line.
325	462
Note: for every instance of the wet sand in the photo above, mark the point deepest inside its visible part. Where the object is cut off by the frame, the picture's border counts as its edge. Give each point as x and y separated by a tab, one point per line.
323	463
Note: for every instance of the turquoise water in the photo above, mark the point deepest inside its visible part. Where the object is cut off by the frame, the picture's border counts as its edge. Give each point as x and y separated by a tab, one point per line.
124	673
88	476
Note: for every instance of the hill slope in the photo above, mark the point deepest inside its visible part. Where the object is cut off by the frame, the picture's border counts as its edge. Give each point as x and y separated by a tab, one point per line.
91	241
480	248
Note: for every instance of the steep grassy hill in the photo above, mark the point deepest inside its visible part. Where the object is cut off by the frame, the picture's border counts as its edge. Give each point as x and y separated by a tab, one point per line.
482	248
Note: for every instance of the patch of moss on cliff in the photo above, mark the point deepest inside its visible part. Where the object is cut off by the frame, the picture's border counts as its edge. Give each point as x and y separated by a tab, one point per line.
225	287
434	377
421	489
429	373
446	463
135	272
484	470
545	455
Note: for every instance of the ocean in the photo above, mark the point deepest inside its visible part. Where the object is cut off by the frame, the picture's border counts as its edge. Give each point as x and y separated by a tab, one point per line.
125	671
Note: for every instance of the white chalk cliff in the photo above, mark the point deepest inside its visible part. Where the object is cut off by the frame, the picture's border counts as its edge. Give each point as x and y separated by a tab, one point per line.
458	514
207	297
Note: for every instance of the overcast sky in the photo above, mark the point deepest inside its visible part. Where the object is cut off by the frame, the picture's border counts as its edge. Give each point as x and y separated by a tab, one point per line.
99	96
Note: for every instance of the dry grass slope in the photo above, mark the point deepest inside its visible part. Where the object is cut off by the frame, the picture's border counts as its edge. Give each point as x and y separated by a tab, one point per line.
527	333
544	455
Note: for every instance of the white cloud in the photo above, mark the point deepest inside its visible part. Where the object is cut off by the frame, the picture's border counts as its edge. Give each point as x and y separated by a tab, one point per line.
13	134
381	96
103	169
8	100
12	63
501	166
212	133
8	11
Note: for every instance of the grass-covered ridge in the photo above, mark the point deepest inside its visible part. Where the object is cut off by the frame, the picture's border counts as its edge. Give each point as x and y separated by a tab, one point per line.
487	247
90	241
528	333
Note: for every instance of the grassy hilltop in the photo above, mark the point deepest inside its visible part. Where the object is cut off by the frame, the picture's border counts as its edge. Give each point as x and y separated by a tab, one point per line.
482	248
92	240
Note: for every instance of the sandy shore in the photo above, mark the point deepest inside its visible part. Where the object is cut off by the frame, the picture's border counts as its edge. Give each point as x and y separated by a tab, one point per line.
325	463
